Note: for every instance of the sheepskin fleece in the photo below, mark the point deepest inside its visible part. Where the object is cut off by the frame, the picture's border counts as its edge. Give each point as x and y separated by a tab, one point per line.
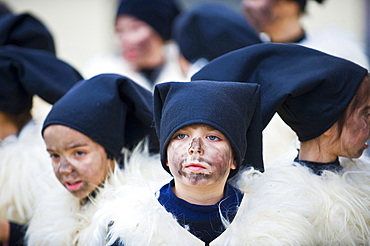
60	219
264	218
25	173
340	202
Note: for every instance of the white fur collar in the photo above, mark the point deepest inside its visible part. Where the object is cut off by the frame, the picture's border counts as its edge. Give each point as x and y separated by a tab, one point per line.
286	205
25	173
340	203
262	219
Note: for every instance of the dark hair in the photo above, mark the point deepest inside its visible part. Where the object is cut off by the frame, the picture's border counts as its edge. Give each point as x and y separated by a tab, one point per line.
303	3
20	120
4	9
361	97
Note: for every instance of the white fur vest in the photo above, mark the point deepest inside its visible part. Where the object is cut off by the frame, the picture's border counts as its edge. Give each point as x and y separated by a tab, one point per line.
340	203
25	173
264	218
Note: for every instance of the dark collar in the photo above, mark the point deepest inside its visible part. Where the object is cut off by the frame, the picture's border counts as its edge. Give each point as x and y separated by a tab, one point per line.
299	39
318	167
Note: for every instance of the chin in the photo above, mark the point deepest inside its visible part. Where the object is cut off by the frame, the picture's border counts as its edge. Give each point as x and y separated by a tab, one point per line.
356	155
197	179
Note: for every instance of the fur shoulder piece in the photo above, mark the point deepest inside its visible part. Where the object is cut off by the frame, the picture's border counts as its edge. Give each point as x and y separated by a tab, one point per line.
60	219
22	160
140	166
135	217
336	204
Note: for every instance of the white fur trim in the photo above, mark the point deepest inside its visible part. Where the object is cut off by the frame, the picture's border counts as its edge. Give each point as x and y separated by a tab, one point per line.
25	173
264	218
339	203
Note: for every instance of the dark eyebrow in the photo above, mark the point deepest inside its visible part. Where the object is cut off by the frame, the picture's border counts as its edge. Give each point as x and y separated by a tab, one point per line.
366	108
71	146
76	145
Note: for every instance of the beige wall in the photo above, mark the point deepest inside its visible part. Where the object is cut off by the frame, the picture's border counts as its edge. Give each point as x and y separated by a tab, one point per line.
347	14
82	28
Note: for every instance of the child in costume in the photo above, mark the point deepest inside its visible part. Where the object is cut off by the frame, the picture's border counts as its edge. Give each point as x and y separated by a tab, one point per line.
25	73
146	53
326	101
84	133
208	133
203	33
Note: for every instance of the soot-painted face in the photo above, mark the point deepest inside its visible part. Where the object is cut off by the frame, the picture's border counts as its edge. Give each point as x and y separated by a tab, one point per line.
79	163
199	155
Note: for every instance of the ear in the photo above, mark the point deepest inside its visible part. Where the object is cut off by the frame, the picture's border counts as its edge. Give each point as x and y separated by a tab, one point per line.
233	165
331	130
167	163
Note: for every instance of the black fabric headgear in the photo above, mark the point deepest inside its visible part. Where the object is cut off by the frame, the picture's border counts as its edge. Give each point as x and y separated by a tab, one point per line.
159	14
309	89
26	31
26	72
110	109
210	30
302	3
229	107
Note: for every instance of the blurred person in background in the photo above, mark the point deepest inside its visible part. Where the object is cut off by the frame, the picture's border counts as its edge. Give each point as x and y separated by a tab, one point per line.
29	69
147	54
25	171
207	31
26	30
279	22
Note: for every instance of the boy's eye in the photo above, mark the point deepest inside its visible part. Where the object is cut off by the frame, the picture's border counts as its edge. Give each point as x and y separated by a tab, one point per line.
213	138
54	156
181	136
80	153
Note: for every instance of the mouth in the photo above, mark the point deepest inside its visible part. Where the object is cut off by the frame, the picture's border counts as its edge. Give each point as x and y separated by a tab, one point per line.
366	145
73	186
195	167
131	55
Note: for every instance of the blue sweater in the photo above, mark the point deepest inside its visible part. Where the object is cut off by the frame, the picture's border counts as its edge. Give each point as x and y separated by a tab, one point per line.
204	222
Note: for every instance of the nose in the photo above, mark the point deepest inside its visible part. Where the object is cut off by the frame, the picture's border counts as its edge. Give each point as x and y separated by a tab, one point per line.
65	167
196	146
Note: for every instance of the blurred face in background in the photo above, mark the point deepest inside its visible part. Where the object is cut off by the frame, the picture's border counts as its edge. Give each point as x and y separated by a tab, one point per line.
140	44
261	13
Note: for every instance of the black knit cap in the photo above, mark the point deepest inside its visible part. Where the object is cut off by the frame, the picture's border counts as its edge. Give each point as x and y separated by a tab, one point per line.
26	31
302	3
110	109
27	72
159	14
309	89
229	107
209	30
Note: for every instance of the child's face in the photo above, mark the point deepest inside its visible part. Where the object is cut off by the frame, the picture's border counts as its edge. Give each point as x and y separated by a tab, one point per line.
79	163
138	40
355	133
199	155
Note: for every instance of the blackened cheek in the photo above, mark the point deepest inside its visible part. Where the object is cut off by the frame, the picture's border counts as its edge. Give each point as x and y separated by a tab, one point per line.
221	161
175	156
